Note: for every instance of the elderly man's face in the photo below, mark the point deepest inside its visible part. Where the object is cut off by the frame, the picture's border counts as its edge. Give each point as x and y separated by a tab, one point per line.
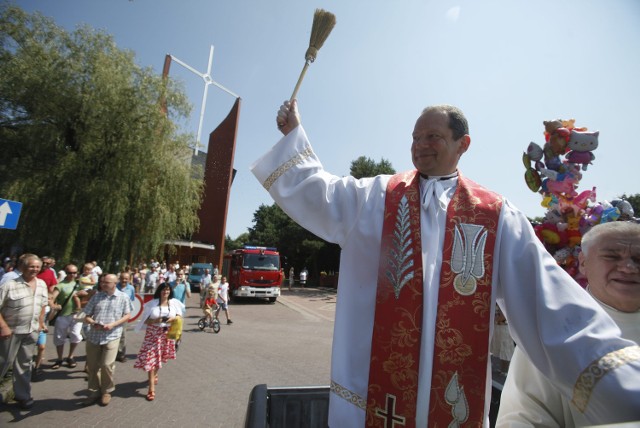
31	268
612	268
434	151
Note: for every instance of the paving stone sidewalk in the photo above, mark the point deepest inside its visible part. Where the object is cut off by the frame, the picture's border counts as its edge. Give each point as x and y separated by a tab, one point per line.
283	344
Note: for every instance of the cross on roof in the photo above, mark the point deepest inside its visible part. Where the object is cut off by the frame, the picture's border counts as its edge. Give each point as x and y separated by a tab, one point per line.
208	80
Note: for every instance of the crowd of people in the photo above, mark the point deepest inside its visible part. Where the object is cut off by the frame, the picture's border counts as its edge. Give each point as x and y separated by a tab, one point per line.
93	306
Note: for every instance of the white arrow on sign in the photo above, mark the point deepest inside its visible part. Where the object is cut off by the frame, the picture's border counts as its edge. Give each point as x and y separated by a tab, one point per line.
5	210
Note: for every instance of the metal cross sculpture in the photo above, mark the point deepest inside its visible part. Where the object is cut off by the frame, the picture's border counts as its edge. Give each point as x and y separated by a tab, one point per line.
206	77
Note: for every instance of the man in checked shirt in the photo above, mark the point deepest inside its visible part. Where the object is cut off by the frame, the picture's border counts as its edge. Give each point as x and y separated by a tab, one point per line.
106	313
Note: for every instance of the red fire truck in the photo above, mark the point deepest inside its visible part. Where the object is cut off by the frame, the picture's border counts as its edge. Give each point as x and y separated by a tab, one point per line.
253	272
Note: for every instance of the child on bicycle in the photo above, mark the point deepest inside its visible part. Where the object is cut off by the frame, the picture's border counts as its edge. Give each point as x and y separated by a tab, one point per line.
210	304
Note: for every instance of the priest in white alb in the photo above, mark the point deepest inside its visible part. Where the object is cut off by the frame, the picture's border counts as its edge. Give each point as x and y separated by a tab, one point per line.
426	255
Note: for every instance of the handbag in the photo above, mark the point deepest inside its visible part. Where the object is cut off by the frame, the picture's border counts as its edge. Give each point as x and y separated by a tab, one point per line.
175	331
53	314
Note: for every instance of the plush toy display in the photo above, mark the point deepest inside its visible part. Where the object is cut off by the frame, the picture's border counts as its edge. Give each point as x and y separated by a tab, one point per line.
581	145
555	171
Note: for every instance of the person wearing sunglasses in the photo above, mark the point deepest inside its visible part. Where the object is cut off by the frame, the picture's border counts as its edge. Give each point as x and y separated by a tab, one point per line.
65	303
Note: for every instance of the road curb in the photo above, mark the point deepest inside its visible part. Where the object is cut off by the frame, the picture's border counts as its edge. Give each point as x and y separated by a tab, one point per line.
298	300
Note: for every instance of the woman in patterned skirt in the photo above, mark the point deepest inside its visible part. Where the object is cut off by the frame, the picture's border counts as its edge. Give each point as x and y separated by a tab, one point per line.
157	316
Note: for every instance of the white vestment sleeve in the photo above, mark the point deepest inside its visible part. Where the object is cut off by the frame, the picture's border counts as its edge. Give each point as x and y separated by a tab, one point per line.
528	398
348	212
327	205
560	327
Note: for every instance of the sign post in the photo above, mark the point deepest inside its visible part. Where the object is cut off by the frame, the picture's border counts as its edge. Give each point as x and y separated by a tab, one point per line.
9	213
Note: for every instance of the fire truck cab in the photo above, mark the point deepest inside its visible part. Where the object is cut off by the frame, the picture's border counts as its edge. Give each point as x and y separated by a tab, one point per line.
253	272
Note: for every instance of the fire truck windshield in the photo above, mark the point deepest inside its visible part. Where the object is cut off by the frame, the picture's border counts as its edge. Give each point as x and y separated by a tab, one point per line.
261	262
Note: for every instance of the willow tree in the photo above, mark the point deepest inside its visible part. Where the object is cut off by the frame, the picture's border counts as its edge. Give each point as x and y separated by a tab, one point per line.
99	166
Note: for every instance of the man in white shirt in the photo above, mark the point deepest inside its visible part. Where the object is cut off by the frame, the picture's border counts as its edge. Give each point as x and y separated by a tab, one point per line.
151	281
22	305
205	281
170	275
403	241
610	260
223	299
12	274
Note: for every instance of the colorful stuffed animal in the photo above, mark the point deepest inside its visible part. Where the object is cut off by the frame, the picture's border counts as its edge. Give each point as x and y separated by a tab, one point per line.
531	176
535	154
584	197
550	235
562	255
573	231
624	207
556	137
581	145
564	183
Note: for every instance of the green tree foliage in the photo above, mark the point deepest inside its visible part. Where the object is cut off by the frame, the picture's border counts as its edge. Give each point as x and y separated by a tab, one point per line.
301	248
269	221
367	167
98	164
234	244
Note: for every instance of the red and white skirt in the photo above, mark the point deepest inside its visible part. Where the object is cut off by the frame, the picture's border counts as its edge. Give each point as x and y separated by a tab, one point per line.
156	349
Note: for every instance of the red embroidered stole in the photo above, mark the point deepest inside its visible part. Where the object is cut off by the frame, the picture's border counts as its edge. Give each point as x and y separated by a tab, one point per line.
464	300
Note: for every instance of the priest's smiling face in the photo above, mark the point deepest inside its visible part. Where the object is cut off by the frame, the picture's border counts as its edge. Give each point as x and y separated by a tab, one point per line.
434	150
612	267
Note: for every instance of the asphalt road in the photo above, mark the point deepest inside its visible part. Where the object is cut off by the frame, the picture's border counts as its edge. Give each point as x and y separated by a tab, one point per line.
283	344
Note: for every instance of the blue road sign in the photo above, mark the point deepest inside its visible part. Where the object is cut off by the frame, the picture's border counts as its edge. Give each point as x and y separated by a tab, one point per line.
9	213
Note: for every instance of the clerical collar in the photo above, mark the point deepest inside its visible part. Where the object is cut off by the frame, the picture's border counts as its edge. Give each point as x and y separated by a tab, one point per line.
440	177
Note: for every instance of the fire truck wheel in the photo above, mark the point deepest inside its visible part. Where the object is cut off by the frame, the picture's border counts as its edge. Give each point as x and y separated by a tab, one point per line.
272	299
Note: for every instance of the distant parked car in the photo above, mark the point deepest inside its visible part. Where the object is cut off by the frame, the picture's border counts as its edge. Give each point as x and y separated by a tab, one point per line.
196	272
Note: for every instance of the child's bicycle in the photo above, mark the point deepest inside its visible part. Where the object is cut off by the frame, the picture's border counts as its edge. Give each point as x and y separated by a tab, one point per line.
204	322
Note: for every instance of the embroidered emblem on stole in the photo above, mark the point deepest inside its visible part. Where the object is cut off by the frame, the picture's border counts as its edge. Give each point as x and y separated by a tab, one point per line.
467	259
464	299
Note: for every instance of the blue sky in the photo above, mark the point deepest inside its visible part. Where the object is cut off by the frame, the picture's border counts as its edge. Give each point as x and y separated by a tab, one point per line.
509	64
